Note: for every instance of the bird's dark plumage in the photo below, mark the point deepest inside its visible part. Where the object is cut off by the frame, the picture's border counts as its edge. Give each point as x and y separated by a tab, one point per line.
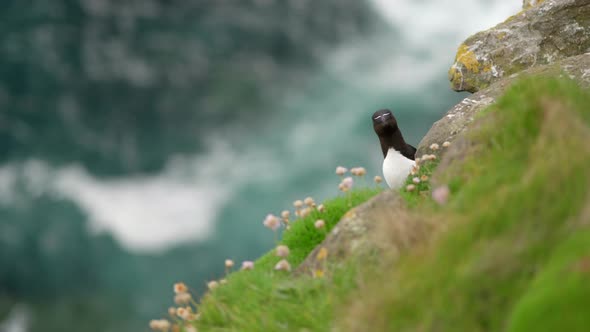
385	126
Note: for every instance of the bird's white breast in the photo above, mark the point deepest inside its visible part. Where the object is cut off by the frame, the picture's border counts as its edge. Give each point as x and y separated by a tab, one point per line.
396	168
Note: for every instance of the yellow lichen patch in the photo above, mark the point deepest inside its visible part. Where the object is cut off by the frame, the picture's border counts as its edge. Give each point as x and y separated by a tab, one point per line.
456	78
350	214
467	58
531	3
487	67
501	35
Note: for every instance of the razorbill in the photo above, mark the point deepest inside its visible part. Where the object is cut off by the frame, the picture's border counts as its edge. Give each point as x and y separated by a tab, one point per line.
399	155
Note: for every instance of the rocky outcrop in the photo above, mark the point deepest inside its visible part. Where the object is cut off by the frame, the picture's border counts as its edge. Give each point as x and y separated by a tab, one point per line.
544	34
548	40
458	118
526	4
380	225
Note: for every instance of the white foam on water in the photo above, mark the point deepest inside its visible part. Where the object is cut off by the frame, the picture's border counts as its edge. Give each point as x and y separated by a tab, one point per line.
17	320
147	213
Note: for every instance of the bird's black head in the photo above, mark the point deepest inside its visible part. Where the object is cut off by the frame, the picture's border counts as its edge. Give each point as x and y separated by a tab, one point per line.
384	123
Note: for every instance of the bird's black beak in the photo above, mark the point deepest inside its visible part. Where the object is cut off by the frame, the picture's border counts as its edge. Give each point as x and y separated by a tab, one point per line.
381	119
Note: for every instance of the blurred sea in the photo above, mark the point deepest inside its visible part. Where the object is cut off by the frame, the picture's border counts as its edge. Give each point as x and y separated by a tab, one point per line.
142	142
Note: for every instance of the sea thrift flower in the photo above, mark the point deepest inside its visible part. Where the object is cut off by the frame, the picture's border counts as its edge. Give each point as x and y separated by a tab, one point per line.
247	265
282	251
180	287
160	325
358	171
346	184
378	179
182	298
309	202
172	311
410	187
446	144
229	263
283	265
424	178
285	215
322	254
416	180
304	212
272	222
184	313
321	208
441	195
212	285
298	203
341	170
190	329
223	281
434	146
319	224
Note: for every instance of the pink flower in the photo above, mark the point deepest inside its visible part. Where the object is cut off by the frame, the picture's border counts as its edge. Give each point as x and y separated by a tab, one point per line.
247	265
319	224
160	325
282	251
182	298
346	184
272	222
212	285
285	214
283	265
341	170
378	179
180	287
441	194
304	212
358	171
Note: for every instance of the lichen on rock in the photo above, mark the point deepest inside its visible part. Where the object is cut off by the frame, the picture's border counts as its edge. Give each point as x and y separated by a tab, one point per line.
526	4
548	32
458	118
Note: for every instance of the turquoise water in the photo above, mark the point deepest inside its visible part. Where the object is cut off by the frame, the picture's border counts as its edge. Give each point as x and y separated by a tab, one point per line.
142	143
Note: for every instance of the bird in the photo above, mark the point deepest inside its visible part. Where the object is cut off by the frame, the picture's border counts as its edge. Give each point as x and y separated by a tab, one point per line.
399	156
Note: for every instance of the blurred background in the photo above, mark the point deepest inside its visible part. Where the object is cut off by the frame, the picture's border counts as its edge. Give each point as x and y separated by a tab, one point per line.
142	142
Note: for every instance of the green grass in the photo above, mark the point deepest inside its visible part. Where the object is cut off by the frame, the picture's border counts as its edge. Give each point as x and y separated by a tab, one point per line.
507	257
513	252
263	299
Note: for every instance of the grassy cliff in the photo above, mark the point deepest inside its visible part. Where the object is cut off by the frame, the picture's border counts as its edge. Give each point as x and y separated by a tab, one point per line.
510	249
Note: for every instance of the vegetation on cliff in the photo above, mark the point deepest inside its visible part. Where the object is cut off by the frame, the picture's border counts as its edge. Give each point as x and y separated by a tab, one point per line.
509	250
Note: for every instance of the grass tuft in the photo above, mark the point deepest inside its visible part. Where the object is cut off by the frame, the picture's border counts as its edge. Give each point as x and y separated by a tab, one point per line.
514	231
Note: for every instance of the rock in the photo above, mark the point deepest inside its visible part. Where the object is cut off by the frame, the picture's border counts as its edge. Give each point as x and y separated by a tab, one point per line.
458	118
526	4
380	225
544	34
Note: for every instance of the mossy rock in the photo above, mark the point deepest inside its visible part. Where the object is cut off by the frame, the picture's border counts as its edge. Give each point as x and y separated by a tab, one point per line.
527	4
544	34
458	118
